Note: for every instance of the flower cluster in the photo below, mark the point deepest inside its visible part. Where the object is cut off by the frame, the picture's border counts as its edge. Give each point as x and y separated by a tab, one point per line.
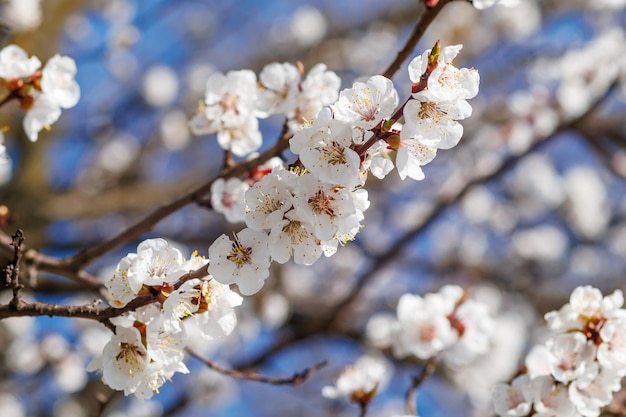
431	117
305	210
447	322
579	367
41	92
147	347
235	101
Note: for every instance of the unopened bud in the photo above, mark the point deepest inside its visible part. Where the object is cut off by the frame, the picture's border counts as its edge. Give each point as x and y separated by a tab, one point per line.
393	141
433	57
27	102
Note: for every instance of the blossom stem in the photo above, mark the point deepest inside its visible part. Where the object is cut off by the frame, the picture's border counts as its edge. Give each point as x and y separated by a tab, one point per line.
381	134
411	394
13	94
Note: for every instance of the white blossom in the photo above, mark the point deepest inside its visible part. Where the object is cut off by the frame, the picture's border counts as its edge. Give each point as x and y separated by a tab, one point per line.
319	88
229	110
590	394
124	360
227	197
41	115
612	351
217	317
551	399
329	208
293	237
435	122
412	155
15	63
244	261
586	304
377	160
21	15
57	81
572	356
278	88
269	199
360	381
242	139
513	400
180	304
478	328
118	286
156	263
365	105
484	4
449	83
424	329
325	151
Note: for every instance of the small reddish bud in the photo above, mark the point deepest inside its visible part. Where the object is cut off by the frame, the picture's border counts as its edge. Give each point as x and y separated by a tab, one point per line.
257	174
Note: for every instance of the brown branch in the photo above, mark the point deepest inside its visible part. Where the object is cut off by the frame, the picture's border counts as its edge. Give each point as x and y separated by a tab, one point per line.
411	394
363	409
426	18
87	311
297	378
605	154
87	255
12	95
38	261
12	270
90	311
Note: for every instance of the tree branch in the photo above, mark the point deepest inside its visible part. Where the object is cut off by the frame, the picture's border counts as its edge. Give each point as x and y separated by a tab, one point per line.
297	378
12	270
411	394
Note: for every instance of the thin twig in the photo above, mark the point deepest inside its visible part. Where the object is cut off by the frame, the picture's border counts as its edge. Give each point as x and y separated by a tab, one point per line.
363	408
411	394
297	378
38	261
12	270
426	18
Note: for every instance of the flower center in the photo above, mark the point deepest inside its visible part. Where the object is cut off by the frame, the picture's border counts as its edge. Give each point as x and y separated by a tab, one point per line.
334	154
130	354
322	203
239	254
429	110
229	103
